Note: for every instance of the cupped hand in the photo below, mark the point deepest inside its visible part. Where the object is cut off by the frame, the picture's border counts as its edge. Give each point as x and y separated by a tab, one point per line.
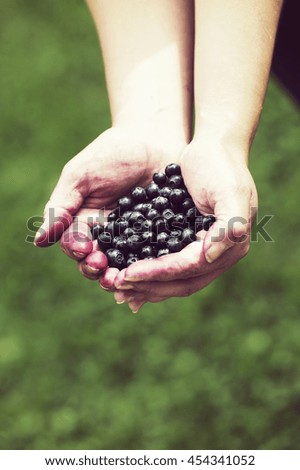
95	179
220	183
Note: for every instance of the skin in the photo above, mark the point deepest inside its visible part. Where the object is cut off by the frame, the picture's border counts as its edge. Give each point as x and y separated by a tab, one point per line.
148	52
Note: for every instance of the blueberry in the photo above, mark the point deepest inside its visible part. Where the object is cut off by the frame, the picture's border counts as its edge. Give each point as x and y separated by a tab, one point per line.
146	207
160	203
178	222
111	228
138	194
175	233
152	191
192	214
208	221
138	207
125	203
152	214
176	181
165	191
188	236
174	245
160	178
148	237
126	215
120	225
105	240
162	252
128	232
172	169
116	259
136	216
160	225
134	243
96	230
147	251
168	215
177	196
162	239
132	259
113	215
198	223
120	243
146	226
187	204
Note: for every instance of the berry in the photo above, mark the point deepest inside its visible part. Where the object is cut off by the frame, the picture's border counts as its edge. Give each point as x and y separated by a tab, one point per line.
148	237
187	204
134	243
160	225
146	207
116	259
176	181
125	203
198	224
105	240
165	191
168	215
110	228
120	225
113	215
177	196
175	234
188	236
152	191
208	221
147	251
160	203
153	214
172	169
178	221
162	252
146	226
128	232
159	178
138	194
120	243
162	239
135	217
132	259
96	230
174	245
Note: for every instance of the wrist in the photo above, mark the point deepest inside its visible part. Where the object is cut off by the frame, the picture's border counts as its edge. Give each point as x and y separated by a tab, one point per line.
233	140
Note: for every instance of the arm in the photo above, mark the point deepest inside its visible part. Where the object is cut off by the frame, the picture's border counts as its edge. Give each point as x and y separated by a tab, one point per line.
233	51
147	52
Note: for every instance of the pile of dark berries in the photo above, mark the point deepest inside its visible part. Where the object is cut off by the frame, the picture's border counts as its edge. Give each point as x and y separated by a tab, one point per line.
151	222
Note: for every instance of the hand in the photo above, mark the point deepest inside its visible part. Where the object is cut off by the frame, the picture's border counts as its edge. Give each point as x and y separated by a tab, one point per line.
96	178
219	181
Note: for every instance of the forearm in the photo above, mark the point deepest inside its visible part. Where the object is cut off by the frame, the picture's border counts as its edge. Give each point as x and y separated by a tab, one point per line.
234	45
148	55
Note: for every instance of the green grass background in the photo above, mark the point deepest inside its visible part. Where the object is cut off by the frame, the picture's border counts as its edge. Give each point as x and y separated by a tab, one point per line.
217	370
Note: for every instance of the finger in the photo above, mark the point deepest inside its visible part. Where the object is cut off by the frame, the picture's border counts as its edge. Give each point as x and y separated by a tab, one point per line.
136	305
187	263
93	265
231	227
65	200
76	241
107	279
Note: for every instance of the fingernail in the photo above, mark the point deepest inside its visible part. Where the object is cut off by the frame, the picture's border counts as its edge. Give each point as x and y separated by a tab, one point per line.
132	279
125	287
120	302
134	311
214	252
91	269
78	254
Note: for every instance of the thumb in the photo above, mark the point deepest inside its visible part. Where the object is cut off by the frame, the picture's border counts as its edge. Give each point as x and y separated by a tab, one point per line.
65	201
232	226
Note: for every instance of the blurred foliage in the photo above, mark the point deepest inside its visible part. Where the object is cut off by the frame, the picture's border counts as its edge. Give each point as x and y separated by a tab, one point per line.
217	370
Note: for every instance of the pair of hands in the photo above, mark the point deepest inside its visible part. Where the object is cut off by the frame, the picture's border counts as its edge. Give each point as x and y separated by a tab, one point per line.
218	180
